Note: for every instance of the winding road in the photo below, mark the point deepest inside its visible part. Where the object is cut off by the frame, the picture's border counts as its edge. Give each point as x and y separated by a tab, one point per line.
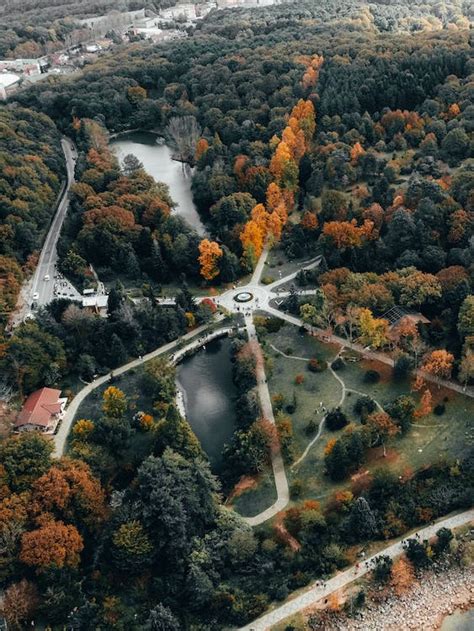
317	591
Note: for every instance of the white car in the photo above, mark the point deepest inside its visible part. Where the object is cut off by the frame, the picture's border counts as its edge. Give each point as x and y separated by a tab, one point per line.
36	295
46	277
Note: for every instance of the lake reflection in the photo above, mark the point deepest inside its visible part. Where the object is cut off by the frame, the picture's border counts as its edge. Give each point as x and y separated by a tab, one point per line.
205	379
158	163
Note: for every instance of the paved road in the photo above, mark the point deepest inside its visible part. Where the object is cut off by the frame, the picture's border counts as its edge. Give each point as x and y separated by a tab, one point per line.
316	592
60	437
48	257
278	466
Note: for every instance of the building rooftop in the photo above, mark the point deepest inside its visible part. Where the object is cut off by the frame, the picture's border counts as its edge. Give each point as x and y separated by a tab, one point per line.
99	301
8	79
39	407
397	313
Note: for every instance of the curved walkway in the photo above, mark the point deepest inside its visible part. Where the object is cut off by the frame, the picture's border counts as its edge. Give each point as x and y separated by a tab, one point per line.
344	392
316	591
60	438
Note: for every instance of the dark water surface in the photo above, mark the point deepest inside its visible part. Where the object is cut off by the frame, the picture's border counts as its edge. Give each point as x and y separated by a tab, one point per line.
205	379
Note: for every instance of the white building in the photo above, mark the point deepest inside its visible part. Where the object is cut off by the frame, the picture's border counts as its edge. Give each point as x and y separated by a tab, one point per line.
96	304
8	84
185	11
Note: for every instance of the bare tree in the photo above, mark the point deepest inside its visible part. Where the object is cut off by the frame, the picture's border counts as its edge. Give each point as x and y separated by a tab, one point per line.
185	132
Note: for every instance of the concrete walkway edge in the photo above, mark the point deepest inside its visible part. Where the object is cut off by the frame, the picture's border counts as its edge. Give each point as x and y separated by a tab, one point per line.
316	591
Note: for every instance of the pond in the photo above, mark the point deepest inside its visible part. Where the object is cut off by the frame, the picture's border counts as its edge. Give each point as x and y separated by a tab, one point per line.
157	161
205	379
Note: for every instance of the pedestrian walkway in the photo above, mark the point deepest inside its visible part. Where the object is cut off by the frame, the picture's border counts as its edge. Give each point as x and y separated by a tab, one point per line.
318	590
278	466
60	438
368	354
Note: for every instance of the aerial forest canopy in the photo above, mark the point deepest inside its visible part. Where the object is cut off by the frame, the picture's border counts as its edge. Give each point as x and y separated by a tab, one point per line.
31	170
336	128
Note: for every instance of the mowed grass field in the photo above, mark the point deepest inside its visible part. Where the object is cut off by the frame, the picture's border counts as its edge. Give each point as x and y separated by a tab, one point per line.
429	439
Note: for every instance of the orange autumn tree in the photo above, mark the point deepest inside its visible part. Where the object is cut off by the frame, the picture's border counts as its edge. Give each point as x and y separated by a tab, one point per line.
309	221
252	239
439	363
294	140
276	202
69	491
284	168
240	165
304	113
286	154
347	234
83	429
201	147
329	446
313	65
52	546
209	254
357	152
403	576
426	404
381	427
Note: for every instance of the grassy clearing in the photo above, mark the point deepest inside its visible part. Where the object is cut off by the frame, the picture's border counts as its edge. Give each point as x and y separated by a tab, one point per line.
431	438
256	500
278	265
129	383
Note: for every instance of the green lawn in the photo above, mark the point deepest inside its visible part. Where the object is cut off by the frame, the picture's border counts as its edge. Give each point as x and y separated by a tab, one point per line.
429	439
254	501
277	262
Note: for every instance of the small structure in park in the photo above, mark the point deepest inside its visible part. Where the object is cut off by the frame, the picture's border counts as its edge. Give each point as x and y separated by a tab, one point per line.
96	304
41	412
397	315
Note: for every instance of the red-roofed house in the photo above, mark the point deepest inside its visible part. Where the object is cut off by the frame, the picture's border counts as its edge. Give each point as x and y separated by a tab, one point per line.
41	412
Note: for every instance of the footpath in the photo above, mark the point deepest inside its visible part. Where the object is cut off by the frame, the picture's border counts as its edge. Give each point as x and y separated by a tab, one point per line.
317	591
60	438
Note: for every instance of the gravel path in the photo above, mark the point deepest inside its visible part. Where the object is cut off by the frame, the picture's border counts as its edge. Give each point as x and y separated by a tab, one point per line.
344	392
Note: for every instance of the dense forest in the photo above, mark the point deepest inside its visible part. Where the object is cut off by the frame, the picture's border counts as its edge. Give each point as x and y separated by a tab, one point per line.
333	128
31	170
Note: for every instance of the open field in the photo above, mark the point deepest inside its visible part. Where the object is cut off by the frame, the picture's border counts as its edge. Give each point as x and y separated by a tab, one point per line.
429	439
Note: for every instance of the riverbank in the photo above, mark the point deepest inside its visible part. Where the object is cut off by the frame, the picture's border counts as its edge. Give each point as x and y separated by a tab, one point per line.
425	606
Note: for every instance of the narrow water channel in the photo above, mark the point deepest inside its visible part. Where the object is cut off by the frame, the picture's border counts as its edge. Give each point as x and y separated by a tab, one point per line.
157	161
205	379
